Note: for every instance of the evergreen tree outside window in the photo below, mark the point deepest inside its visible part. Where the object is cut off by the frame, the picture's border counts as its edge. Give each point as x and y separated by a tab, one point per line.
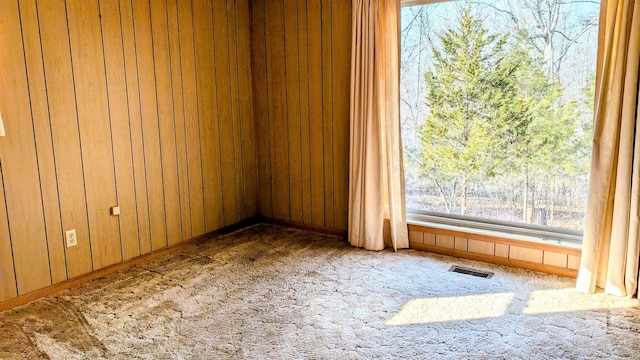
497	107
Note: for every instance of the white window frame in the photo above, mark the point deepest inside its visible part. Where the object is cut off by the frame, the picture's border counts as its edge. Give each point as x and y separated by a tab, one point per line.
547	234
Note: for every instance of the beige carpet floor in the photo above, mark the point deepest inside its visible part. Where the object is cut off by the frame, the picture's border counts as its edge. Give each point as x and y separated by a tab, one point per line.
270	292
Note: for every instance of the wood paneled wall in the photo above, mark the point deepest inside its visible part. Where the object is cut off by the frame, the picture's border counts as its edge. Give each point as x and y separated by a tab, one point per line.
145	104
301	53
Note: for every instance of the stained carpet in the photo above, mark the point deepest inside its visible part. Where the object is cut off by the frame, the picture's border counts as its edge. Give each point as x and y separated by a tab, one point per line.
271	292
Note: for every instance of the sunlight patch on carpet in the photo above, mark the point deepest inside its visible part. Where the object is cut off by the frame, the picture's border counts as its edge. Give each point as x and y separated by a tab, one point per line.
567	300
456	308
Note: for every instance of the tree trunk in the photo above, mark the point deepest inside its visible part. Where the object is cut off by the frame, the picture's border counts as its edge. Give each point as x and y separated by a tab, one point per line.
553	198
532	220
514	203
447	204
452	199
463	206
525	195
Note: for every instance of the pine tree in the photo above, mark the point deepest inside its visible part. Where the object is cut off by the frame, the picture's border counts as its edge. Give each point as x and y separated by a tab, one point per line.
477	114
548	144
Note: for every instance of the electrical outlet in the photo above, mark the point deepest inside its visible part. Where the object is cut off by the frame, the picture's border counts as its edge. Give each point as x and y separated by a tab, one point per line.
72	239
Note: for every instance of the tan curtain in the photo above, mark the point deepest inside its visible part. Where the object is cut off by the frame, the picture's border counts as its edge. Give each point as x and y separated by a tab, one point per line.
610	249
377	215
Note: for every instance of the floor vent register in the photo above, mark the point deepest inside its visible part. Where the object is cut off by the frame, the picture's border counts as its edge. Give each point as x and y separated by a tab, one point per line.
472	272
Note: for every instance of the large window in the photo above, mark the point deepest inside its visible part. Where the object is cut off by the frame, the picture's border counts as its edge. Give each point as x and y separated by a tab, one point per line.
497	107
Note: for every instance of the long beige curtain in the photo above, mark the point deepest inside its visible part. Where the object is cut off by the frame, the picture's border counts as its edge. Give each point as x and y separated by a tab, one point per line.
377	215
610	249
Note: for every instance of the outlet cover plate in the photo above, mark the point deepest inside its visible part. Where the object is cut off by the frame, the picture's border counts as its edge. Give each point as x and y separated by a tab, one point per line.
72	238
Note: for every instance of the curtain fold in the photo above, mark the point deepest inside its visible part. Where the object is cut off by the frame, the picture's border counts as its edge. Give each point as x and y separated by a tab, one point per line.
610	251
377	213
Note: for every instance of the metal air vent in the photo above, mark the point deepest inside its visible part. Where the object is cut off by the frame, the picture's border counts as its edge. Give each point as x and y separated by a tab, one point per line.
472	272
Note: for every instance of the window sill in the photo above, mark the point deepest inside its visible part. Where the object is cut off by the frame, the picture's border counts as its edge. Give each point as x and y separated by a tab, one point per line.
568	239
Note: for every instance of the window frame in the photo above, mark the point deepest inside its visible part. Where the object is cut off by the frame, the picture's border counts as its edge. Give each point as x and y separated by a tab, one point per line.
547	234
407	3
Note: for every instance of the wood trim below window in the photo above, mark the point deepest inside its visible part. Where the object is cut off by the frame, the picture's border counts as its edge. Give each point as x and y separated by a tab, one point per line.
536	256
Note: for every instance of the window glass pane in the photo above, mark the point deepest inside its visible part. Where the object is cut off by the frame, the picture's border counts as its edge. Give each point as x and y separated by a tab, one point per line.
497	107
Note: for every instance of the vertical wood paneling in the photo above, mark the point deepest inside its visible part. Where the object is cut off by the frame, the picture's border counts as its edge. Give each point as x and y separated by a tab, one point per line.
208	113
191	117
293	105
19	162
95	132
261	109
416	237
303	84
573	262
277	105
150	122
341	70
166	116
446	241
429	239
225	113
129	103
135	125
63	120
234	101
7	274
245	97
301	97
135	128
461	243
502	250
554	258
481	247
327	110
119	119
43	139
525	254
179	120
316	138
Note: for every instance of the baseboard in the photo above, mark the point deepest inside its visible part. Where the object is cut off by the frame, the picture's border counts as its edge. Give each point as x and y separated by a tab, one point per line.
29	297
303	226
55	288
